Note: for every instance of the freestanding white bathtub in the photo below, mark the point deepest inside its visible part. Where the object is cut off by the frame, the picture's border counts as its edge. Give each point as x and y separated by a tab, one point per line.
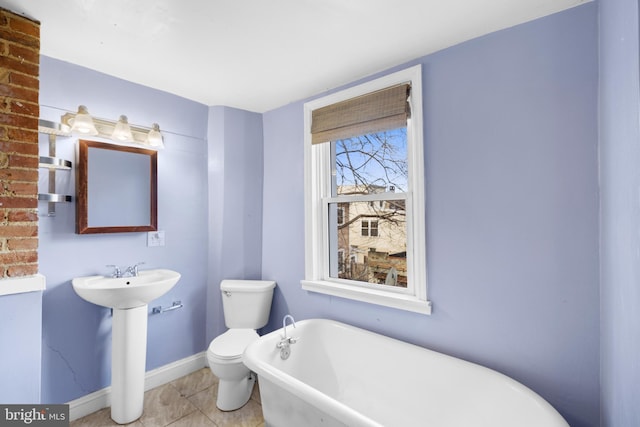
340	375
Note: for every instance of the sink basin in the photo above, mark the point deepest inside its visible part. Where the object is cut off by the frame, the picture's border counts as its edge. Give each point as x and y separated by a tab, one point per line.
126	292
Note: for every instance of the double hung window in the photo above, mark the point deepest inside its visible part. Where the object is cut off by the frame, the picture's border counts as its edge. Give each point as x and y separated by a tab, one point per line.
370	228
364	193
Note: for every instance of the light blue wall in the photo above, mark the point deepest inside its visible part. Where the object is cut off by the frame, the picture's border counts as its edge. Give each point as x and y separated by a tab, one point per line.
20	348
76	335
620	212
235	203
512	211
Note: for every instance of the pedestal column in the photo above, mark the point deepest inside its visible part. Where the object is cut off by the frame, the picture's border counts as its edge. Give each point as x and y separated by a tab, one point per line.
128	353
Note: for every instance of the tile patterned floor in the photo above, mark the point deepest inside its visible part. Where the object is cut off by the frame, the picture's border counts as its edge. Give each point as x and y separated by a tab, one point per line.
189	401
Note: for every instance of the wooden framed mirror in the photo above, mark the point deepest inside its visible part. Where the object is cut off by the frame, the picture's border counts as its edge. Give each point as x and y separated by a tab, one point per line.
116	188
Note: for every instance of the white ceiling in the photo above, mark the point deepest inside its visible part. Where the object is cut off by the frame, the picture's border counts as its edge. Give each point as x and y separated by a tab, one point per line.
261	54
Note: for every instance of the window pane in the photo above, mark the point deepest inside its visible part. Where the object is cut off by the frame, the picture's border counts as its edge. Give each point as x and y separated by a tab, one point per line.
373	230
365	228
371	164
371	244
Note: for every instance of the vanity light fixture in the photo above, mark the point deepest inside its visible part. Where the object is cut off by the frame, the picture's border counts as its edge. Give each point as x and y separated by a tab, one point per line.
82	122
122	130
119	131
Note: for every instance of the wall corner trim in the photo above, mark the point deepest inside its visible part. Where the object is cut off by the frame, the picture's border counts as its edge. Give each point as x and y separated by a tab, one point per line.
19	285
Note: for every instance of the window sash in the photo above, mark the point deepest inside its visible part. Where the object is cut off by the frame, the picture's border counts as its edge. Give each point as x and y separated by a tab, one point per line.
329	275
373	228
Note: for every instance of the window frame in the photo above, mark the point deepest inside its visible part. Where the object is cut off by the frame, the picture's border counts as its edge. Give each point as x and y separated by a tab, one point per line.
317	161
340	215
369	227
363	228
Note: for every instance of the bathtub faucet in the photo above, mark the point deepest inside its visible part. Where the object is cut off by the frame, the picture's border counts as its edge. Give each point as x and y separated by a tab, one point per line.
286	341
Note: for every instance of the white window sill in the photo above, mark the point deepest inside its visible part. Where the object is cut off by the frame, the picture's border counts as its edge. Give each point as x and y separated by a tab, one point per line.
373	296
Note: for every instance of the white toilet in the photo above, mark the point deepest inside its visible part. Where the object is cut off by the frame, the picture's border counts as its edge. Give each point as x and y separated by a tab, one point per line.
246	305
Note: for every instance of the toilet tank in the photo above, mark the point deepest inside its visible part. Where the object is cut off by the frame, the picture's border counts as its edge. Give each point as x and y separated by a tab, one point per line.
246	303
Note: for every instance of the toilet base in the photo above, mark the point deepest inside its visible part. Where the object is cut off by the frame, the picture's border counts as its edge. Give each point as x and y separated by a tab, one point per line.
235	394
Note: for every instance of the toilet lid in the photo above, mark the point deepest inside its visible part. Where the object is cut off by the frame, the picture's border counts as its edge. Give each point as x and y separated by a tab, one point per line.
232	343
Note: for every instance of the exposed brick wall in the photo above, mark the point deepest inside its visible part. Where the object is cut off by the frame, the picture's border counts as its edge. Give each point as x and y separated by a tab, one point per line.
19	112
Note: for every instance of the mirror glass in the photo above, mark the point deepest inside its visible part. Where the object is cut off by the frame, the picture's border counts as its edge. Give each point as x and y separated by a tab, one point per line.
116	188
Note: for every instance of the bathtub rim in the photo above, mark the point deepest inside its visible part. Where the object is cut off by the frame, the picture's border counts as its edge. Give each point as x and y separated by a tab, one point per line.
312	396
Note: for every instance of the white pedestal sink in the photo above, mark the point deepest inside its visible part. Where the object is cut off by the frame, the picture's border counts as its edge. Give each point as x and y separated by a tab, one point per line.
128	296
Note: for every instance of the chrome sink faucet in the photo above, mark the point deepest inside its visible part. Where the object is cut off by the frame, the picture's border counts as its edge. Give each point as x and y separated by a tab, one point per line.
286	341
131	271
117	273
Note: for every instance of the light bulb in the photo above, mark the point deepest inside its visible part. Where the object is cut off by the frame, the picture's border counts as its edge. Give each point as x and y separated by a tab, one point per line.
122	131
154	137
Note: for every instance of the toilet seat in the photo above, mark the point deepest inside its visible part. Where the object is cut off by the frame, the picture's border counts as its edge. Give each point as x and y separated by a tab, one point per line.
232	343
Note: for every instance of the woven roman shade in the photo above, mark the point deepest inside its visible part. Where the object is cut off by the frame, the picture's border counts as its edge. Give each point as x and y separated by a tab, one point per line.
378	111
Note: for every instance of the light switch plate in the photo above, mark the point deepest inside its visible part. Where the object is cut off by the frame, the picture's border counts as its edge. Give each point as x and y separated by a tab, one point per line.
155	238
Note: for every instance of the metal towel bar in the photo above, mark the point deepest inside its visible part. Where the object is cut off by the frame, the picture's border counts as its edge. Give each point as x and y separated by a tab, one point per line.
159	310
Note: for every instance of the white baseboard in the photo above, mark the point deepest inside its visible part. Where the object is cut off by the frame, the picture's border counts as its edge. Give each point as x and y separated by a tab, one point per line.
95	401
